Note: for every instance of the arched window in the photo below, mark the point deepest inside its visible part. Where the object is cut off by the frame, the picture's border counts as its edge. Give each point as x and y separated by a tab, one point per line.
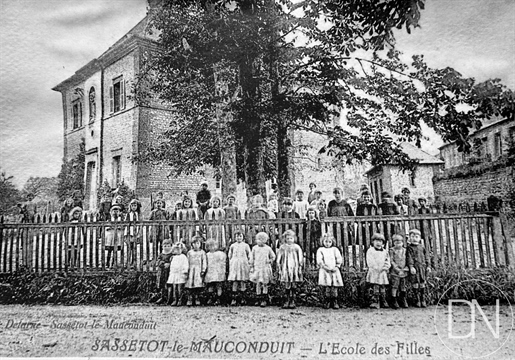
92	105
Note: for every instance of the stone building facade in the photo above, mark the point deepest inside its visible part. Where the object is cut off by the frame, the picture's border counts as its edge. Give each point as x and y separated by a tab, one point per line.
391	178
99	109
488	170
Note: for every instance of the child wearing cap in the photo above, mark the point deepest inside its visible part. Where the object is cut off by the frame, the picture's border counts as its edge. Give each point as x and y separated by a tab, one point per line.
417	259
378	262
398	272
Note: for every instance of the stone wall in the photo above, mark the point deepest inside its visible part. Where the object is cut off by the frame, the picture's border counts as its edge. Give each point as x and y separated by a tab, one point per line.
476	188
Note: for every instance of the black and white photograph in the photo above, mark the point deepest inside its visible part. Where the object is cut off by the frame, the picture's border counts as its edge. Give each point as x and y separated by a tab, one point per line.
257	179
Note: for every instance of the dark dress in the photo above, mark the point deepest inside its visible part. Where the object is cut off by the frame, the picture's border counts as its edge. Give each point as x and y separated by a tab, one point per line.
367	210
417	257
388	209
313	233
339	209
162	271
203	196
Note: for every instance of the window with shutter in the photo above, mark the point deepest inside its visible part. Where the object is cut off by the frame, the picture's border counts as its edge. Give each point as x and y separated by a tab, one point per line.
111	100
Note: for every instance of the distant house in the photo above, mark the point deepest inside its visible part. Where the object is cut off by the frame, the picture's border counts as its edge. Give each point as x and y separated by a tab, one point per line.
392	179
487	171
488	144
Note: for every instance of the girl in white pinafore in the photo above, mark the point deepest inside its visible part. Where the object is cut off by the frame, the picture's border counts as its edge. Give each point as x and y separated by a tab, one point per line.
239	268
329	260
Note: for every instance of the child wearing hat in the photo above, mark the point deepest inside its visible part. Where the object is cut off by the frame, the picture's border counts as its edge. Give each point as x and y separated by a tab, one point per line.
417	259
378	262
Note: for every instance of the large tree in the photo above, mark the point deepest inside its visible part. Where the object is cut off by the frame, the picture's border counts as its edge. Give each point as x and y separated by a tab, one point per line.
242	74
71	176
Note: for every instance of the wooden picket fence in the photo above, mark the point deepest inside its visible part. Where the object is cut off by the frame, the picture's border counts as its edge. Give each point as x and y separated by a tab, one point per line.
462	240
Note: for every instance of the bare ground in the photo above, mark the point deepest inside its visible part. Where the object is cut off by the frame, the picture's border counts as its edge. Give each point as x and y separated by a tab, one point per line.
239	333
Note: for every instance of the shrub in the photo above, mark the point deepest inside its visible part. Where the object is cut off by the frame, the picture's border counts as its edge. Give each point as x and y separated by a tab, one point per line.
124	287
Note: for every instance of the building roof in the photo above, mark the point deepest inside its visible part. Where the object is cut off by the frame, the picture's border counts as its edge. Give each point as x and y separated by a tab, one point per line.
126	42
414	153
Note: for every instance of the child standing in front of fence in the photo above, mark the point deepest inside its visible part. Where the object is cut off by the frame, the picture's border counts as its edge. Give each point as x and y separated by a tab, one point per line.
239	268
261	260
290	262
378	262
113	234
178	276
163	269
329	260
417	259
132	232
197	261
398	272
215	274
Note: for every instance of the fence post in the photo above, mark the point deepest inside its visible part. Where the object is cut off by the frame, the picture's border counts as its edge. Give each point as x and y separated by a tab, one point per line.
507	237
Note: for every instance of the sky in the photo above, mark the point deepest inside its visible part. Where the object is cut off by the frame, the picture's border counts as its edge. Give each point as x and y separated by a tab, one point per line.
43	42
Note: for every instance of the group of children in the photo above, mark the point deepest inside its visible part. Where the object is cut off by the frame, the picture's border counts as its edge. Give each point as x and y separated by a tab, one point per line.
195	269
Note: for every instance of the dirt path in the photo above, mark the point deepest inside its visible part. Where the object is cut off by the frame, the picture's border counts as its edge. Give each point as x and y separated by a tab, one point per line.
236	333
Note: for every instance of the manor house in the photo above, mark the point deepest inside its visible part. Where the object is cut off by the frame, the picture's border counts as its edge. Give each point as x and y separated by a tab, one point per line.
100	111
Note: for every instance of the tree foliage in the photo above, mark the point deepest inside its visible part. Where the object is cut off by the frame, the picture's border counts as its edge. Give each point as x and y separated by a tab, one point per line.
71	176
9	194
44	188
277	66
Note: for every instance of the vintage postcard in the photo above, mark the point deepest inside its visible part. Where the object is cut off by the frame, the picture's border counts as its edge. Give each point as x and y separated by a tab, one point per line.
257	179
